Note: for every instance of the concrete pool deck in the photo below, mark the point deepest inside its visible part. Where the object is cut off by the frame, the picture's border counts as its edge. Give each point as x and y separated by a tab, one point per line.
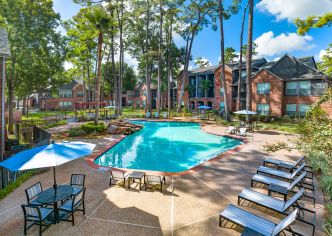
189	205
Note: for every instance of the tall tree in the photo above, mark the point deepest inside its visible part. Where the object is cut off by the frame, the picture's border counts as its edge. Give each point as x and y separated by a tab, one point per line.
161	11
201	62
230	55
249	56
99	18
239	82
196	15
304	25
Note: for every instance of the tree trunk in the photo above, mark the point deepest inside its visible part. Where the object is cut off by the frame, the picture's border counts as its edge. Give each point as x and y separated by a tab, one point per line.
18	103
24	111
240	62
115	79
159	56
10	83
249	57
169	68
147	67
97	96
222	55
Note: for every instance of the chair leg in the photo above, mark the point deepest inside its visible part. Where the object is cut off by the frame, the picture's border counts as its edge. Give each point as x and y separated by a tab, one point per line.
40	228
72	216
110	181
25	227
83	207
161	186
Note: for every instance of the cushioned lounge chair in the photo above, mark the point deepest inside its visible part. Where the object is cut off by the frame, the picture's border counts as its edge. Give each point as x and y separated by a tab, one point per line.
32	193
256	224
71	206
119	175
278	205
36	216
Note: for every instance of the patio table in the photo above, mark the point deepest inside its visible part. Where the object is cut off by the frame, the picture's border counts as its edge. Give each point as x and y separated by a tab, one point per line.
50	196
137	175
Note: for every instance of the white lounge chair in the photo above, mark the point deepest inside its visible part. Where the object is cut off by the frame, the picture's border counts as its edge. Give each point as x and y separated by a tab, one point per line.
243	131
148	115
231	130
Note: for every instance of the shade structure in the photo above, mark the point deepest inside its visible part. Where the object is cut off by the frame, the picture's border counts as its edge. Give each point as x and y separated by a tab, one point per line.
245	112
51	155
204	107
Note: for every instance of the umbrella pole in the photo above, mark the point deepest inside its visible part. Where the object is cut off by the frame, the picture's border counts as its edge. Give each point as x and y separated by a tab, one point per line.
54	186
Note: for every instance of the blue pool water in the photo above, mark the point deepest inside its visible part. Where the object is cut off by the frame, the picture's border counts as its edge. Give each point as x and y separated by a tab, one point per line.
166	147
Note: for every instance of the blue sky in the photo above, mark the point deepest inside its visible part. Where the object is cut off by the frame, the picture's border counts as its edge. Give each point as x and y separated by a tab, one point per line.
274	31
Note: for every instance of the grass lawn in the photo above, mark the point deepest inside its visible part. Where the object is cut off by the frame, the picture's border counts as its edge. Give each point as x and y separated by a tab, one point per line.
42	114
290	127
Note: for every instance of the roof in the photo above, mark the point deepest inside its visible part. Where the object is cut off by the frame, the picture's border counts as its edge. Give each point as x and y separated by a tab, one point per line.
255	63
309	61
4	44
70	85
203	70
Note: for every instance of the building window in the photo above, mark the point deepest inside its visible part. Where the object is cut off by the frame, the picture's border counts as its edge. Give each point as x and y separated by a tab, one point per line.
65	104
221	92
303	108
291	109
263	88
222	106
304	88
291	88
263	109
65	93
137	93
79	94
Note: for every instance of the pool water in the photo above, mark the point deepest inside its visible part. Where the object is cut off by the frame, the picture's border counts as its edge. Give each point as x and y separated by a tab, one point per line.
166	147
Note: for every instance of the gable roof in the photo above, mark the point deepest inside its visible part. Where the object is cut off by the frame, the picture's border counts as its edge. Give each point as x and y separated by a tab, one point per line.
309	61
203	70
4	45
255	63
70	85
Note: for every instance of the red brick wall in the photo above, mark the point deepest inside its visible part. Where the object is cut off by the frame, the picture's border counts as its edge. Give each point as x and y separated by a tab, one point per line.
276	93
218	85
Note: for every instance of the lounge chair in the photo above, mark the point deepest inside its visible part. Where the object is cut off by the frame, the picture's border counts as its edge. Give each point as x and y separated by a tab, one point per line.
278	205
77	181
156	115
119	175
165	115
153	180
148	115
283	164
256	225
231	130
279	173
72	205
37	216
243	131
32	193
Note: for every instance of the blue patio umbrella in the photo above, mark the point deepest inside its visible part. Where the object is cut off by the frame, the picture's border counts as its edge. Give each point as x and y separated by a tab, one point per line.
204	107
51	155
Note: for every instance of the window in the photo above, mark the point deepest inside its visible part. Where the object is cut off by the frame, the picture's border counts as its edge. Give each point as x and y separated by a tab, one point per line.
263	88
65	93
65	104
291	88
304	88
317	87
137	93
263	109
221	92
222	106
291	109
79	94
303	108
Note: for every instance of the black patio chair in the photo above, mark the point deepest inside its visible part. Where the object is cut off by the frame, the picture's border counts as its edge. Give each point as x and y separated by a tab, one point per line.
77	181
72	205
32	193
37	215
154	180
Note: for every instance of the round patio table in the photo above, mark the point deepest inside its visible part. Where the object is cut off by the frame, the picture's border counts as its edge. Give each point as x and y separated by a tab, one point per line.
50	196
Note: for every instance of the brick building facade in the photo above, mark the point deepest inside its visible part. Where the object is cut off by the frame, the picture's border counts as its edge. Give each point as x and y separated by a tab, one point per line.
287	86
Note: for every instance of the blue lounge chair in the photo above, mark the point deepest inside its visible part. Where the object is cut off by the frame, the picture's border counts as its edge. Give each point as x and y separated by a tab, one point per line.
278	205
156	115
148	115
254	224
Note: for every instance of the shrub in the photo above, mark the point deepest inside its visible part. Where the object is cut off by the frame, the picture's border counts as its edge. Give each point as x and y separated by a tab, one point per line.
12	186
58	123
90	127
75	132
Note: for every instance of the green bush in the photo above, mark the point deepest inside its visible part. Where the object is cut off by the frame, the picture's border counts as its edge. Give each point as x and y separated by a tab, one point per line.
75	132
58	123
90	127
12	186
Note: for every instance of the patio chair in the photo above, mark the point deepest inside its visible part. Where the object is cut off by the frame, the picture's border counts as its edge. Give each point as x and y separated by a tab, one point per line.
37	216
77	181
72	205
231	130
256	225
155	179
278	205
243	131
156	115
148	115
165	115
32	193
119	175
279	173
283	164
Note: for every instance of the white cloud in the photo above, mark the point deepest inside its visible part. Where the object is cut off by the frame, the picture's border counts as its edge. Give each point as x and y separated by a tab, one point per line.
178	40
269	45
291	9
130	60
319	56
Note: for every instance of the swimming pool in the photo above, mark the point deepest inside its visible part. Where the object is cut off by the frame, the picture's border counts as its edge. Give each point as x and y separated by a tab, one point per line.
166	147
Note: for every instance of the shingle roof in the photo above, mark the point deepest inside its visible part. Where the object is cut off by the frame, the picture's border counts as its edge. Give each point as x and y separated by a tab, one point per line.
309	61
69	85
204	70
4	45
256	63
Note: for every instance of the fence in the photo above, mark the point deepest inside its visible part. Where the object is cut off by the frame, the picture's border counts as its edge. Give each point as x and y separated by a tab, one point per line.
29	136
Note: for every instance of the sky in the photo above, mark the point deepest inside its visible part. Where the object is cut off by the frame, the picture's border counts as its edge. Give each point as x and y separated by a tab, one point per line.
274	30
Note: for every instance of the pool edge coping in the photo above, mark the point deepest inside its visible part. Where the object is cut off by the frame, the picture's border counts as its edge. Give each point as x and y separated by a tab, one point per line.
91	158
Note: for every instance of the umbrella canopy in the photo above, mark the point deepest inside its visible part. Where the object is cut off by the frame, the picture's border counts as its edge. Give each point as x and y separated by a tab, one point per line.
245	112
204	107
109	107
51	155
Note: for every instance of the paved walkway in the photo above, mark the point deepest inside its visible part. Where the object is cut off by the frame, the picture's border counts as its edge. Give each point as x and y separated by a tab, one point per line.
189	205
